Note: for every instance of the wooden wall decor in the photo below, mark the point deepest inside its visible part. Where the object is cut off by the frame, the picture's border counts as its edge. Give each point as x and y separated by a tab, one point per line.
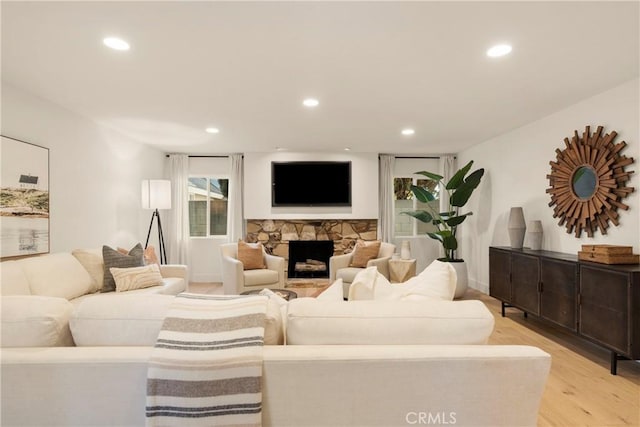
588	182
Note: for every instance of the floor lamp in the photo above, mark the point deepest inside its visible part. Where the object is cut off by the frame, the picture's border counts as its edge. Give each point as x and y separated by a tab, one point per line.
156	194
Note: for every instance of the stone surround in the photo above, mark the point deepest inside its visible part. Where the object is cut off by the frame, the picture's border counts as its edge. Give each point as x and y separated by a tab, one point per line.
276	234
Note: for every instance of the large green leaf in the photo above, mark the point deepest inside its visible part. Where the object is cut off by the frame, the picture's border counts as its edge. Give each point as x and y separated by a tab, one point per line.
431	175
435	236
423	216
457	179
457	220
461	196
450	243
422	194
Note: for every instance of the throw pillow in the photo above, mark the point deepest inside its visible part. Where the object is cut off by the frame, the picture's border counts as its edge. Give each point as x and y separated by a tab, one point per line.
370	284
333	293
150	256
437	281
128	279
91	260
250	255
112	258
363	252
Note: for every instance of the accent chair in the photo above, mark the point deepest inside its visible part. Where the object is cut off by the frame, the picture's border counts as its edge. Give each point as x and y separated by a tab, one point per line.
236	279
340	266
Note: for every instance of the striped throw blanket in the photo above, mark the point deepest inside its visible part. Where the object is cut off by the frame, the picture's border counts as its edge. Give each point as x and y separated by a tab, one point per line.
206	367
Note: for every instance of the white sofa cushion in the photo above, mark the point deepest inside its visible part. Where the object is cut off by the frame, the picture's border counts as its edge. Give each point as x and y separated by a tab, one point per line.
333	293
57	275
313	321
35	321
14	281
260	277
135	319
112	319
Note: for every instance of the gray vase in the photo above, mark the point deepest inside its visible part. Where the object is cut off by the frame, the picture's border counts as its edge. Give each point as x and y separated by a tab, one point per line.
517	228
535	235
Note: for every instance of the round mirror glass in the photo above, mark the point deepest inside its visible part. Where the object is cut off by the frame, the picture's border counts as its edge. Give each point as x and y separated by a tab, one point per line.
584	182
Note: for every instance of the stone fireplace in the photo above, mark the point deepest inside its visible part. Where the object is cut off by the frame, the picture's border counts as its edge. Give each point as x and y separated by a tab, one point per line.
309	258
276	235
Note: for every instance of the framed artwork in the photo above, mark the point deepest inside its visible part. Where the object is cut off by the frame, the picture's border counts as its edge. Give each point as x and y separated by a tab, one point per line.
24	198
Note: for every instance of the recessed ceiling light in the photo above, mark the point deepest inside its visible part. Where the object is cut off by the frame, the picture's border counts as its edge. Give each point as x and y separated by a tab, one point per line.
347	149
212	130
499	50
115	43
408	132
310	102
280	149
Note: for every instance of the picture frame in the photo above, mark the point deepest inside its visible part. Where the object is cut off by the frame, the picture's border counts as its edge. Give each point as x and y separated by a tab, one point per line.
24	199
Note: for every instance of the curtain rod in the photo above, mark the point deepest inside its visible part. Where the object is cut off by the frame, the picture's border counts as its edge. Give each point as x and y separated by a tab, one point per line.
205	157
417	157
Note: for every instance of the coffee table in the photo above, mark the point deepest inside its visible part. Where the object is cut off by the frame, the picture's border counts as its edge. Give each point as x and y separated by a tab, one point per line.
284	293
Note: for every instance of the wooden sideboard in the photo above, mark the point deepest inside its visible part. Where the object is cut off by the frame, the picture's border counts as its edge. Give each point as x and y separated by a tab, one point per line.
598	302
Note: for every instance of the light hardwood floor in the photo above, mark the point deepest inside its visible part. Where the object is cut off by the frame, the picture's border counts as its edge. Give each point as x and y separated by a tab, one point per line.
580	390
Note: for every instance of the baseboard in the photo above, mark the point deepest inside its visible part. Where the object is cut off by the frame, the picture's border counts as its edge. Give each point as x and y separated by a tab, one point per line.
479	286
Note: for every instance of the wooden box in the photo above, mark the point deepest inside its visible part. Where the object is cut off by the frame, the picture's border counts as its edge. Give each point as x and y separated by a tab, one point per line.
608	254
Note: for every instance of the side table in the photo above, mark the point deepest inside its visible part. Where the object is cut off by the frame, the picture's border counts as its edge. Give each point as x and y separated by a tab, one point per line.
401	270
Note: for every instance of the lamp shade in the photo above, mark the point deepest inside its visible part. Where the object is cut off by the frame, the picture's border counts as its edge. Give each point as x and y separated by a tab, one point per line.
156	194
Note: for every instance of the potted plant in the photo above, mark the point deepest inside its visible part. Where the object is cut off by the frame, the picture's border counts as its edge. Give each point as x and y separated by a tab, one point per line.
459	189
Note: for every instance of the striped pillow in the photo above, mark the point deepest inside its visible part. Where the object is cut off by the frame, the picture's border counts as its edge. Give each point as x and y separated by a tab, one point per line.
128	279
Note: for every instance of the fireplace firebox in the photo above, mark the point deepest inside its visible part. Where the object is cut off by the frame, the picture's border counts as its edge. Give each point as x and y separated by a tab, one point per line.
309	258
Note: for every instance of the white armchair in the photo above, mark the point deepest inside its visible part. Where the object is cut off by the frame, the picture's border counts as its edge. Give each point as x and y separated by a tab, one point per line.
339	266
235	279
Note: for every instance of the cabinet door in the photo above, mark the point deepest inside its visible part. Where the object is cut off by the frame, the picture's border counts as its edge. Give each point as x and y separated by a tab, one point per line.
525	278
604	296
558	292
499	270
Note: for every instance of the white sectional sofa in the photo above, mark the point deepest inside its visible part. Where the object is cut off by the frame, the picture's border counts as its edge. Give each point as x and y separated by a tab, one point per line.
359	363
39	294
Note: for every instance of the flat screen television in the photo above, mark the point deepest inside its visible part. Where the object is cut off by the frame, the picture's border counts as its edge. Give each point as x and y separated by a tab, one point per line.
310	183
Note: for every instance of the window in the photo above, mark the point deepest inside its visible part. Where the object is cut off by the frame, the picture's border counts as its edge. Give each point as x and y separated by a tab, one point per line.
404	200
208	204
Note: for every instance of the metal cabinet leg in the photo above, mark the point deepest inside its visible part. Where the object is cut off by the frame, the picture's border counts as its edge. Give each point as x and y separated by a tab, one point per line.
614	363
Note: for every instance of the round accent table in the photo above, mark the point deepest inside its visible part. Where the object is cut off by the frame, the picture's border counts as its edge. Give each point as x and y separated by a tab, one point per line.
284	293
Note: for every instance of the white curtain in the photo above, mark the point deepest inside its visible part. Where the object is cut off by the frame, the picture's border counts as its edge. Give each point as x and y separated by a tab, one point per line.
235	219
179	217
447	168
385	197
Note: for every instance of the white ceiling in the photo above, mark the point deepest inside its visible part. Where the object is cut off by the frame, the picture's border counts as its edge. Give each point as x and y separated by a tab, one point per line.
376	67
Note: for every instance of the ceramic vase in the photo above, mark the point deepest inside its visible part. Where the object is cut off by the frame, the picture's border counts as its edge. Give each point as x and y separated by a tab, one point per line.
405	250
534	232
517	228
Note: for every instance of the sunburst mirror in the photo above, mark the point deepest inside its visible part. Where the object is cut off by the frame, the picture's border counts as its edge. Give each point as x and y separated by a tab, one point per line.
588	182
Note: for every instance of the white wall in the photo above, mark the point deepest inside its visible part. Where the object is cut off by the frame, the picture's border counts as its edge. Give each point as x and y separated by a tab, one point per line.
205	251
257	187
95	173
517	164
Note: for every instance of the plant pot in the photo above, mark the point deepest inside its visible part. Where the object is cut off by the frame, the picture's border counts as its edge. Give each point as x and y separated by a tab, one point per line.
463	278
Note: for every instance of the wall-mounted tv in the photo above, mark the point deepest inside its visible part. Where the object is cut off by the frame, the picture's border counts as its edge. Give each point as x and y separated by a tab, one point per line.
310	183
